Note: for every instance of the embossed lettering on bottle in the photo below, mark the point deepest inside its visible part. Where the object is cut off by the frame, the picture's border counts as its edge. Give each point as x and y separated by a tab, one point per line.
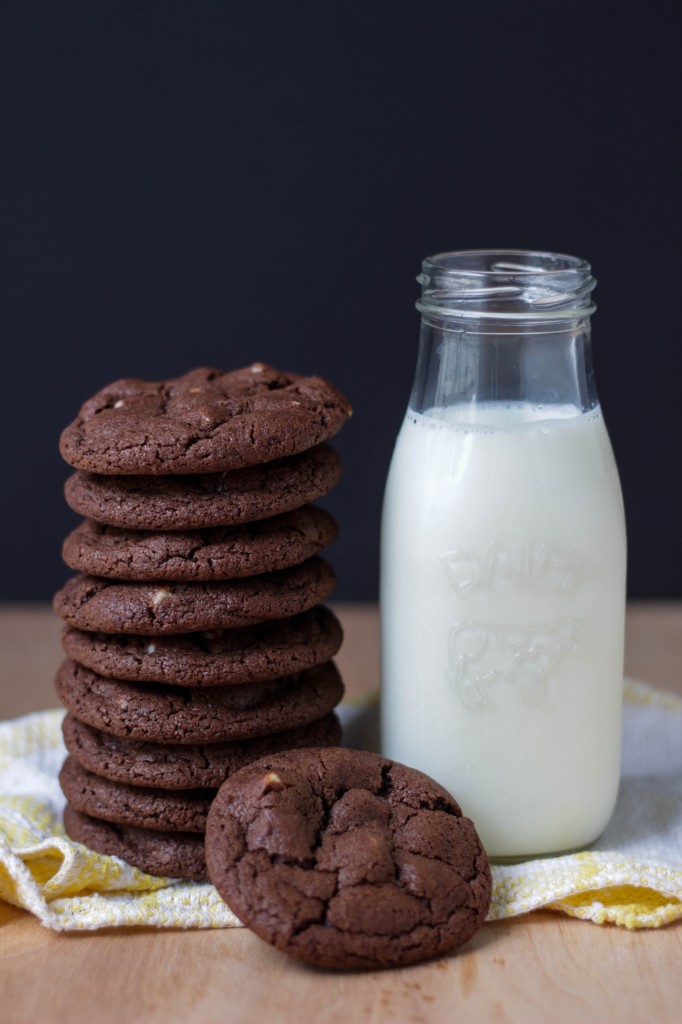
484	654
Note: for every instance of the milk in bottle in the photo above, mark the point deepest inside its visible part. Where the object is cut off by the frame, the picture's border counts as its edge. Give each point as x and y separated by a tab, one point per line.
503	558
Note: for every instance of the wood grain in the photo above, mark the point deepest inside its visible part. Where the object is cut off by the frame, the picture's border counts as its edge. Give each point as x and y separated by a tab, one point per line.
543	967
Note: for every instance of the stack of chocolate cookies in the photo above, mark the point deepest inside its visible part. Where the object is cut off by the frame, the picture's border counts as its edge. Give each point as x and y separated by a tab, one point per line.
196	638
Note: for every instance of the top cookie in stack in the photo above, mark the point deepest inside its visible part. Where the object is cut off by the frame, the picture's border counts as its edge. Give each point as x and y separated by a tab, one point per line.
206	421
193	629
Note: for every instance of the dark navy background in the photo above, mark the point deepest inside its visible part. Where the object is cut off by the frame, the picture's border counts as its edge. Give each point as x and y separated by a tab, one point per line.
220	182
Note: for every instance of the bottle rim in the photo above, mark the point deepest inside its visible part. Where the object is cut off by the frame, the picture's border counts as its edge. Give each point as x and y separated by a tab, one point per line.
506	284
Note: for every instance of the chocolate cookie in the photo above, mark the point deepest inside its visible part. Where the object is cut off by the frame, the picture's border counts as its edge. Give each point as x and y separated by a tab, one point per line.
157	809
174	714
221	553
171	766
206	421
345	859
171	854
154	609
215	657
198	502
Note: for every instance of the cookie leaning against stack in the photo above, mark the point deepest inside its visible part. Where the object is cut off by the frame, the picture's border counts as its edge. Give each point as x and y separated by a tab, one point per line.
195	633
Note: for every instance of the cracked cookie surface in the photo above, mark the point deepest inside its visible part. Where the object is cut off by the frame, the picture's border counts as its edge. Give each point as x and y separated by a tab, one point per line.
206	421
200	501
345	859
217	657
171	854
154	609
172	766
174	714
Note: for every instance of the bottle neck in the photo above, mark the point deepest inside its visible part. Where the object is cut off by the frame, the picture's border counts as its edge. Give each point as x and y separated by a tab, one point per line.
470	362
505	326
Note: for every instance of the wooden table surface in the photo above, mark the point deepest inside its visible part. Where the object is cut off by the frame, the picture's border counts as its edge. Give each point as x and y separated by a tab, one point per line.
540	967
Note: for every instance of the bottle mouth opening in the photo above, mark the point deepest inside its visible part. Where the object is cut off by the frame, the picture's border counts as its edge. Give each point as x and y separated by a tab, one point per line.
506	284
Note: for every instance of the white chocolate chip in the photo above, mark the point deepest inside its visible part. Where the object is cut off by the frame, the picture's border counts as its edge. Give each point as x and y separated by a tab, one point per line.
123	705
160	596
118	404
272	781
150	648
295	403
257	367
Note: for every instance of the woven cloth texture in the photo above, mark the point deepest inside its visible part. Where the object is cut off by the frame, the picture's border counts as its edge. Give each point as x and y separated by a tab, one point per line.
632	876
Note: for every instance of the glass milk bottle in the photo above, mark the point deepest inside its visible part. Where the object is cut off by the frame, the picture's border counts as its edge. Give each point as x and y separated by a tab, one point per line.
503	556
